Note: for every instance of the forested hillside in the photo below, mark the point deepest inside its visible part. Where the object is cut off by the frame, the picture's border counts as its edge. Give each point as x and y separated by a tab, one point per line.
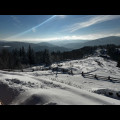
23	58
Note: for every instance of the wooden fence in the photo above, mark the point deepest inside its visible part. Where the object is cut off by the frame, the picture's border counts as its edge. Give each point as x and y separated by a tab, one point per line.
19	70
98	77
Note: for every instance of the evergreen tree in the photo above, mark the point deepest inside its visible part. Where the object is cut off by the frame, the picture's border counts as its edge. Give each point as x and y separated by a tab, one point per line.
4	59
23	56
20	53
16	56
39	57
118	63
31	55
47	57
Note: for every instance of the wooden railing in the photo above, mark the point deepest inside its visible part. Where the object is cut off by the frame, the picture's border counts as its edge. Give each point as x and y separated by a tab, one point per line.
98	77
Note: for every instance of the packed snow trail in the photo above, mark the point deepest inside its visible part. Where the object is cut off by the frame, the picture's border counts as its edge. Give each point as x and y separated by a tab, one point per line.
84	97
54	92
67	96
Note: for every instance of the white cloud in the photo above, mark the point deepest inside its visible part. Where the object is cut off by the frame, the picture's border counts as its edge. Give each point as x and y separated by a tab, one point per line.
92	21
74	37
94	36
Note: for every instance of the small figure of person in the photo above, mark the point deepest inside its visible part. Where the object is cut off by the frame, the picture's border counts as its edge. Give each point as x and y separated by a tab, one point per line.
71	72
83	74
56	74
96	77
108	77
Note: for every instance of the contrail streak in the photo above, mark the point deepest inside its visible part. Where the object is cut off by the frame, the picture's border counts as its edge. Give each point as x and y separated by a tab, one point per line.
33	27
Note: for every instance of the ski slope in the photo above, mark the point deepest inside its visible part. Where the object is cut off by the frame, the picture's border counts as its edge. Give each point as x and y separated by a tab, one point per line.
45	88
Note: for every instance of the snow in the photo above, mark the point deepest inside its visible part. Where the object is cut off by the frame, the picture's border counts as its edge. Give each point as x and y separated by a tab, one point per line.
45	88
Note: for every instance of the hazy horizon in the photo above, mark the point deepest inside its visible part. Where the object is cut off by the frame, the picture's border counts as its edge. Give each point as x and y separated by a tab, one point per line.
54	41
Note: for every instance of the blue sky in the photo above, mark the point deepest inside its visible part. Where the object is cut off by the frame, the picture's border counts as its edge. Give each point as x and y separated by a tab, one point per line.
37	28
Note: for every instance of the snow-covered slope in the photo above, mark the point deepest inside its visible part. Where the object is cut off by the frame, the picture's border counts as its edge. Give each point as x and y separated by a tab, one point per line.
45	88
94	65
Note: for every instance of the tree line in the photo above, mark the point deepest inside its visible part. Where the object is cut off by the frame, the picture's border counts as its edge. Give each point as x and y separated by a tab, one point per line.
21	58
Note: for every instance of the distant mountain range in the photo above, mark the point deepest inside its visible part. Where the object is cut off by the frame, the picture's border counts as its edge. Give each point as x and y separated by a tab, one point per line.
102	41
66	43
36	47
63	45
